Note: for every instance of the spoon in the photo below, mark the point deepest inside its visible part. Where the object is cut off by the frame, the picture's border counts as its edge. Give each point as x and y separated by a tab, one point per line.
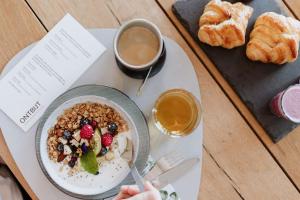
139	92
129	156
139	180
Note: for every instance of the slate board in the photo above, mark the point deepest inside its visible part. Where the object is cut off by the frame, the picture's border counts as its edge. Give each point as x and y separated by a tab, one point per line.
256	83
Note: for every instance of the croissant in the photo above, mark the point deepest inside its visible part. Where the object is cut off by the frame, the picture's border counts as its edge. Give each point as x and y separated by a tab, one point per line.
224	24
274	39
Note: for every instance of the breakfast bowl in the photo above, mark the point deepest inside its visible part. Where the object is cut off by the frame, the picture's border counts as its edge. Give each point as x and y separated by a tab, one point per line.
82	136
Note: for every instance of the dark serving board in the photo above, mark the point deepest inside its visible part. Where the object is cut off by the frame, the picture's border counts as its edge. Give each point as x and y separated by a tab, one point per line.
256	83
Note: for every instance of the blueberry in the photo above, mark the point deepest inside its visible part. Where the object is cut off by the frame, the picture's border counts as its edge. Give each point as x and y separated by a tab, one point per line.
67	135
84	121
112	127
84	148
103	151
60	147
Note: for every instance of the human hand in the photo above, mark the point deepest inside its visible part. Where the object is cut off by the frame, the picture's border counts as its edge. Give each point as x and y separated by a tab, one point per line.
131	192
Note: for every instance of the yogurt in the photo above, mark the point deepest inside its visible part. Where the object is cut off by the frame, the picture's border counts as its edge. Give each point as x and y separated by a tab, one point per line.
286	104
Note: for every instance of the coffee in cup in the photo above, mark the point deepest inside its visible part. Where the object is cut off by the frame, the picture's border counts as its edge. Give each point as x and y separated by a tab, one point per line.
138	44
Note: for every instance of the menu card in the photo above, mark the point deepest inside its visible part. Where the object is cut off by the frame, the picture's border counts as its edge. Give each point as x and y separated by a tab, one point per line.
47	71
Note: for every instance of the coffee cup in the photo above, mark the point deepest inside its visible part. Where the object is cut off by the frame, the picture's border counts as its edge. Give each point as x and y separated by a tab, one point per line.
138	46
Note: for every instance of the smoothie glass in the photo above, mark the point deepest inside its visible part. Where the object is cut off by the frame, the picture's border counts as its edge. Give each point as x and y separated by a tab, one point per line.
286	104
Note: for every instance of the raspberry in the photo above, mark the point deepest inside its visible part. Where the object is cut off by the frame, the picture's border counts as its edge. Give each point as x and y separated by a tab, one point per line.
106	139
86	132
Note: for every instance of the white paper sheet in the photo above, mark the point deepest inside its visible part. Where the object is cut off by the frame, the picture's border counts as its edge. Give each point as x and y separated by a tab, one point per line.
47	71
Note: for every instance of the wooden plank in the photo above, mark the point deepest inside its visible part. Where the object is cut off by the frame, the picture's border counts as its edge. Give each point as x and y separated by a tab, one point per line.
294	6
91	13
214	183
19	27
228	139
287	151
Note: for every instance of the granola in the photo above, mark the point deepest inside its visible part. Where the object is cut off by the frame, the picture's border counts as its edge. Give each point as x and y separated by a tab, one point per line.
84	133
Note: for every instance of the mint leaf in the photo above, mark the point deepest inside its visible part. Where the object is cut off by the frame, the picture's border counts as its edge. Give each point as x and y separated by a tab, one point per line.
89	162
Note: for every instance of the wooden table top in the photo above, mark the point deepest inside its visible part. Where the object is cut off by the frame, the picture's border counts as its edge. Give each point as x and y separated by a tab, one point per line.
240	161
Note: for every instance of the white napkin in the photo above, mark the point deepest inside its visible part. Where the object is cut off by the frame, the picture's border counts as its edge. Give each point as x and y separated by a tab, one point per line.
154	169
168	193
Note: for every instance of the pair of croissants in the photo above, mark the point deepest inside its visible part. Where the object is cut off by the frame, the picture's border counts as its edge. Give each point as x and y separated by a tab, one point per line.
274	39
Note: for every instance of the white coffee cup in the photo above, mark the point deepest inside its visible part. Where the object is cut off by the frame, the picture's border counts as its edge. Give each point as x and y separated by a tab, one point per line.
138	23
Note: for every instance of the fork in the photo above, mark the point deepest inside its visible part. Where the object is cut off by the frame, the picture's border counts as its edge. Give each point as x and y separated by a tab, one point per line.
165	163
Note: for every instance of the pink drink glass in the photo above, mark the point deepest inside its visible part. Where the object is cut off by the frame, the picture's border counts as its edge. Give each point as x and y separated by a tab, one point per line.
286	104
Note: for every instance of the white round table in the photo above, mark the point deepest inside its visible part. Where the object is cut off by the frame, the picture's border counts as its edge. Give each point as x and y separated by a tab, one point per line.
178	72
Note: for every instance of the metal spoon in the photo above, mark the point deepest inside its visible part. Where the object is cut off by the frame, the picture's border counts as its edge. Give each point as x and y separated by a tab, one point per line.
139	92
139	180
129	156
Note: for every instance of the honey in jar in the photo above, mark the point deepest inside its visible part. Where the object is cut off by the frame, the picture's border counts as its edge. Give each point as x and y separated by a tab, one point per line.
176	112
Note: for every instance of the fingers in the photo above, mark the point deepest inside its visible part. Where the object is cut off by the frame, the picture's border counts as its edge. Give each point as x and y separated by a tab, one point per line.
148	186
151	193
130	189
143	196
132	192
127	191
121	196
